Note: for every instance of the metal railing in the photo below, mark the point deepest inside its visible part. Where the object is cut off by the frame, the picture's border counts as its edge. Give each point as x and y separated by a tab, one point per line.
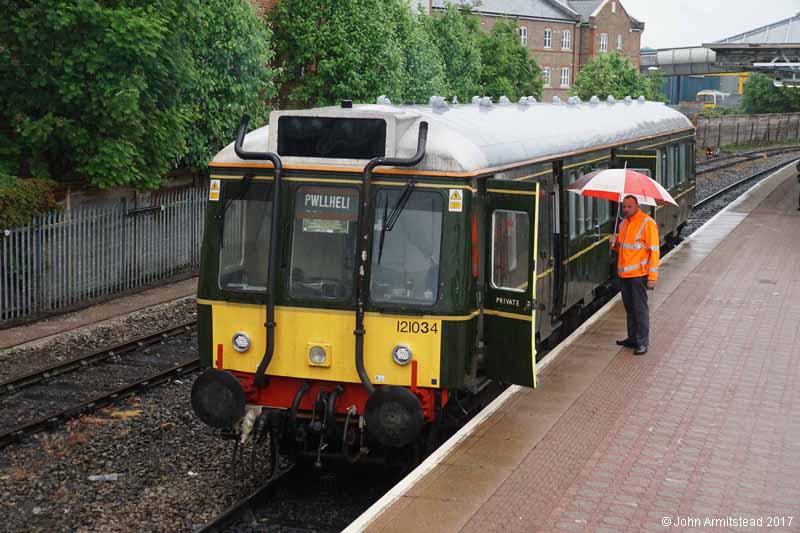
69	258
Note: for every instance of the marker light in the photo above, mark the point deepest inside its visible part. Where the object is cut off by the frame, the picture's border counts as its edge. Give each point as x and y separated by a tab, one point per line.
241	342
401	354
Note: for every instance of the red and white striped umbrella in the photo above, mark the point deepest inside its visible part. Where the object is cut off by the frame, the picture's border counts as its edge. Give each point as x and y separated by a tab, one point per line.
617	183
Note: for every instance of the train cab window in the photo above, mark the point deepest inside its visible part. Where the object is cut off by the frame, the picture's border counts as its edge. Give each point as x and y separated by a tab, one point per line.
244	237
405	254
323	243
510	250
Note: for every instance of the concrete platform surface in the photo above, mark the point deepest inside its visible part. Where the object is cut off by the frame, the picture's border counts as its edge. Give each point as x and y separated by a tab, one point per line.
701	433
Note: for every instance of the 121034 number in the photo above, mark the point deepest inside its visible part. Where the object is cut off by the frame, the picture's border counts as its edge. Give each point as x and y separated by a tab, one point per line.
414	326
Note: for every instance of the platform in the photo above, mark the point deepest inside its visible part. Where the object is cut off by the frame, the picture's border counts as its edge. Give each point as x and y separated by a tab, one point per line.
124	305
702	432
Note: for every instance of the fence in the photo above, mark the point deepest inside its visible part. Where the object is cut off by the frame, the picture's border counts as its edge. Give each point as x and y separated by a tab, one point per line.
72	257
747	129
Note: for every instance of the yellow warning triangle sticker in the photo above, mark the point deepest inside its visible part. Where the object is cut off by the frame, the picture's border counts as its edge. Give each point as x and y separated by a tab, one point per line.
455	196
214	185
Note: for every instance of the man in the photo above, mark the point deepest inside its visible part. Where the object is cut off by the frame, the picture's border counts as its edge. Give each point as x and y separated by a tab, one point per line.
637	247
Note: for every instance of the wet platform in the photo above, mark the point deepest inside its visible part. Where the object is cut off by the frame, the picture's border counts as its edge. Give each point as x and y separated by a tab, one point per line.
118	307
701	433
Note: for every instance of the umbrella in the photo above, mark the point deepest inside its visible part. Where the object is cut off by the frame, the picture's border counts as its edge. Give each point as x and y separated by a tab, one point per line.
616	183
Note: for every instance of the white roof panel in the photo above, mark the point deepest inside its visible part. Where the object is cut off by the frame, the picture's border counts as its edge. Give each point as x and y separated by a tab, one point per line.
469	137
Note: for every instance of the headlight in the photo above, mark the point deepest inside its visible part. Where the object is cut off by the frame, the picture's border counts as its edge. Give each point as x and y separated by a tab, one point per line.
317	355
401	354
241	342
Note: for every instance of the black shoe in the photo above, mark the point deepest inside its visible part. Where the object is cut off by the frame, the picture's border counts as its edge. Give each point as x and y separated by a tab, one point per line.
627	342
640	350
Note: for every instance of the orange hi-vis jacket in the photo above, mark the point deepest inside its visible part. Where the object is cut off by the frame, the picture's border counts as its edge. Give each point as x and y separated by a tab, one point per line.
637	248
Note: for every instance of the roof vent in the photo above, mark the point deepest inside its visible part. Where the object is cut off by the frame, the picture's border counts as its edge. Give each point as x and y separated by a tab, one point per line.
628	100
556	100
347	104
455	100
641	99
574	100
486	101
504	100
532	100
523	101
432	100
611	99
438	102
476	99
594	100
383	100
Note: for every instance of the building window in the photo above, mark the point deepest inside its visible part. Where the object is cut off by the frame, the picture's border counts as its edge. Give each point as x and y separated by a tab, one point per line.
613	7
566	40
548	38
565	77
546	76
619	42
604	42
523	36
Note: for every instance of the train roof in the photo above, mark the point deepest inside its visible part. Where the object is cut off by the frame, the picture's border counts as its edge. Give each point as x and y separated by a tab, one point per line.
477	137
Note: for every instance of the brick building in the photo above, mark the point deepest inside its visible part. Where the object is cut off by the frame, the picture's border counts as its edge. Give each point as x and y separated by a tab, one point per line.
563	35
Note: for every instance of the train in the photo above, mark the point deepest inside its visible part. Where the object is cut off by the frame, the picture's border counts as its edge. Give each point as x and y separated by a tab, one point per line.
364	267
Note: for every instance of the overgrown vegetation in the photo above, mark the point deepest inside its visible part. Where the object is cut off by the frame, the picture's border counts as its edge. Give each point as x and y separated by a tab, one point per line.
761	96
614	75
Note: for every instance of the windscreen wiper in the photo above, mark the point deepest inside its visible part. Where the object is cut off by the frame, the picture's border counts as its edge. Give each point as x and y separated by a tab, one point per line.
390	220
247	179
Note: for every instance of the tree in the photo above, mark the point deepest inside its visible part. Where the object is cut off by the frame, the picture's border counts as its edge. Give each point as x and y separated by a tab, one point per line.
507	68
118	92
761	96
423	66
338	49
613	75
457	36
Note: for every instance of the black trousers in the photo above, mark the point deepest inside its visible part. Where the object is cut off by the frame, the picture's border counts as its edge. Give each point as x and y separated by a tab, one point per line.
634	297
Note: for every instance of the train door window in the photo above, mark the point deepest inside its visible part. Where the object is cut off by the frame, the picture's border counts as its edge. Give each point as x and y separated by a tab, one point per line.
323	243
405	270
662	171
244	237
672	173
603	206
510	250
573	210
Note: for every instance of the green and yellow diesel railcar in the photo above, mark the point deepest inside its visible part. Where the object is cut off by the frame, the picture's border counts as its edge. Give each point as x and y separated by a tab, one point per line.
361	264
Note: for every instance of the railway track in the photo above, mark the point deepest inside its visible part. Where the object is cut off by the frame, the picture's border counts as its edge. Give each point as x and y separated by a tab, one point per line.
728	161
760	174
118	372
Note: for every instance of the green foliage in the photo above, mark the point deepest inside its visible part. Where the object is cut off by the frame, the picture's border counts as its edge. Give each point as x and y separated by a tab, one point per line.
613	75
118	92
457	36
423	73
718	112
761	96
507	68
22	199
232	51
335	49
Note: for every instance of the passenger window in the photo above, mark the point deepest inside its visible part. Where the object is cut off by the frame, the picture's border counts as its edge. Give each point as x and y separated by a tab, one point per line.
661	171
573	199
682	163
510	250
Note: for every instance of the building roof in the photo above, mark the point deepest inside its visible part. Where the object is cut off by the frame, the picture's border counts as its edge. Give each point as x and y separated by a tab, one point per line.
585	8
545	9
783	32
472	138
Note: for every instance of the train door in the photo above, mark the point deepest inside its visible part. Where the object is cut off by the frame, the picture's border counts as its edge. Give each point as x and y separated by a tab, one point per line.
510	305
644	161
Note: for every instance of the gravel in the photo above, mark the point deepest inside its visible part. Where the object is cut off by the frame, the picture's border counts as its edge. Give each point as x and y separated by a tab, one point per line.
35	356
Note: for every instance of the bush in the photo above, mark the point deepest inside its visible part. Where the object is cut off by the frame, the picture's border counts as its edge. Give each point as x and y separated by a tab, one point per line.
613	75
21	199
